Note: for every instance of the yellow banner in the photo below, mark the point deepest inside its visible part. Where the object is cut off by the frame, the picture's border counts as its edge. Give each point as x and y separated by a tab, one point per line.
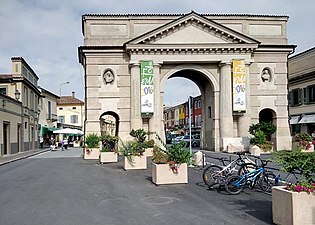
239	85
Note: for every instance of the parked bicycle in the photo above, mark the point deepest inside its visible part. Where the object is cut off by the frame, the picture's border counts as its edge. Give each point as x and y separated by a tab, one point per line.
260	176
215	175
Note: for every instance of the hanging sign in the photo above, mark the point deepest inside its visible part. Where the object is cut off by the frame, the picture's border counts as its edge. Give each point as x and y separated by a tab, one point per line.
147	87
239	86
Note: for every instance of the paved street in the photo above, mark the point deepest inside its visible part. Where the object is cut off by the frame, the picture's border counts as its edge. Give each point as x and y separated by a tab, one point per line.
62	188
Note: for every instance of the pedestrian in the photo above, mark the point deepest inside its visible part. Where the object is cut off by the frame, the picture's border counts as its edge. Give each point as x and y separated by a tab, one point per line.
52	144
65	143
62	144
41	142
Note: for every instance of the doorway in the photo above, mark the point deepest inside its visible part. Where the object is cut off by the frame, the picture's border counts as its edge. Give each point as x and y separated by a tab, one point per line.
6	136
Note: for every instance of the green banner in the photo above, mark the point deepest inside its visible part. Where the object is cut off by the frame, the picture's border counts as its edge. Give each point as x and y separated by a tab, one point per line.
147	86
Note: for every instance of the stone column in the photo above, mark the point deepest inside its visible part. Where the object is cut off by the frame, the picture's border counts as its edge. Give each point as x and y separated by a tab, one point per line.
157	119
226	117
135	97
244	120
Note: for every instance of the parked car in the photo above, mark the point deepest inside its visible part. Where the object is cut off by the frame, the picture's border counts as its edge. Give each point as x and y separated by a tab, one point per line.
194	142
177	140
170	137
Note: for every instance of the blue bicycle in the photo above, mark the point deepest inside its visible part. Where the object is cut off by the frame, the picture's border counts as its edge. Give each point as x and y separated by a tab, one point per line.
264	179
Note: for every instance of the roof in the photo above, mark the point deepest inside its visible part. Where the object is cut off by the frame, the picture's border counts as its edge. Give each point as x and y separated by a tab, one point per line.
181	14
66	100
45	91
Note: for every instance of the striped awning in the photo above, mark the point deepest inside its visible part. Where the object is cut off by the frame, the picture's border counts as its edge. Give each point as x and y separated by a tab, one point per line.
308	119
294	119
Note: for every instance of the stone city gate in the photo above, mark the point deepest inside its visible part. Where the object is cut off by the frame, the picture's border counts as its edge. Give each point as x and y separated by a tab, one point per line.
239	63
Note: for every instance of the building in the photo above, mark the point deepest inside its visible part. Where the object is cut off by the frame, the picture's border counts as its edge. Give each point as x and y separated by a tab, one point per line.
127	59
48	114
70	111
19	113
302	91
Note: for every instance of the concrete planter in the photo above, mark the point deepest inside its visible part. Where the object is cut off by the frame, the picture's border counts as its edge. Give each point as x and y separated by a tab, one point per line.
292	208
76	144
91	153
108	157
163	174
148	152
136	163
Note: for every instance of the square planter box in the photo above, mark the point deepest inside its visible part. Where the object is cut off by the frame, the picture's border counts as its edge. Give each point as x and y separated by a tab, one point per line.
292	208
148	152
163	174
91	153
138	162
76	145
108	157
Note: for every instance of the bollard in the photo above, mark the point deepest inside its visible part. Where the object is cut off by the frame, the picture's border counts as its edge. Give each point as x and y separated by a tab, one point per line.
198	158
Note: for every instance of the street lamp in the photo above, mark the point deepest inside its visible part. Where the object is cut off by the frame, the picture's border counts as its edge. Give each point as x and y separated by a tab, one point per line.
61	85
17	94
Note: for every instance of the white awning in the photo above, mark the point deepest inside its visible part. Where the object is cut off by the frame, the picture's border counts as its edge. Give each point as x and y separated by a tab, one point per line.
308	119
294	119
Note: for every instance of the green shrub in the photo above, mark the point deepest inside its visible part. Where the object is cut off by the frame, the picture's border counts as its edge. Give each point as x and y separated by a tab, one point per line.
159	157
259	138
267	127
149	143
92	141
296	160
140	135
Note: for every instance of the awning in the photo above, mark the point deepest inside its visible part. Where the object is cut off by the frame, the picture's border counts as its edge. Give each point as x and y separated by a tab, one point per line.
308	119
294	119
51	129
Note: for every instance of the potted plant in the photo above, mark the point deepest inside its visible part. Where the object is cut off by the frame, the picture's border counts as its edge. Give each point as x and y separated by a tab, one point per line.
133	155
261	137
109	151
149	148
302	141
92	147
295	203
169	165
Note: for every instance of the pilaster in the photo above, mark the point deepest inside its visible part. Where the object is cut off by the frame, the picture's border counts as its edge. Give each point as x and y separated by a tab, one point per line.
135	97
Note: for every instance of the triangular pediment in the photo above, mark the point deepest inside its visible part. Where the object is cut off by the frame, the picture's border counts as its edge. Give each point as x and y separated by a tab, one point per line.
192	29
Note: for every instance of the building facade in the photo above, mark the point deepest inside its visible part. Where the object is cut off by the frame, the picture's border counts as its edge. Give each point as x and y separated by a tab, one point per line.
48	114
128	58
70	112
302	91
19	116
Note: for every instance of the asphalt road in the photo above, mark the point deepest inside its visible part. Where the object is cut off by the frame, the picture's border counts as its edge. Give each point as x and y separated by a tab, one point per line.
62	188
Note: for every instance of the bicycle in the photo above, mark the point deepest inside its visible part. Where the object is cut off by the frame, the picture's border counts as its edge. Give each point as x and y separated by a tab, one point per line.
215	174
264	179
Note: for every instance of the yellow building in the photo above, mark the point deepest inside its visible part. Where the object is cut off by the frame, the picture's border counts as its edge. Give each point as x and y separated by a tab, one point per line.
70	111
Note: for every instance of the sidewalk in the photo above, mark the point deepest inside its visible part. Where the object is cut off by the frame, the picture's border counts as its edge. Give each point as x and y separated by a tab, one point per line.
21	155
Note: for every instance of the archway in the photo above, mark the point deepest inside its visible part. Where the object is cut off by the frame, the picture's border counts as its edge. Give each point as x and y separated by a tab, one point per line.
268	115
207	85
109	123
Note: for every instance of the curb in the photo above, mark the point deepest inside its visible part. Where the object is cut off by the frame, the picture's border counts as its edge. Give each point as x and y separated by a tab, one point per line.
23	157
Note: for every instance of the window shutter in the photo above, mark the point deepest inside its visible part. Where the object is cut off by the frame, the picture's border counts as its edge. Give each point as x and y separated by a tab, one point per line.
305	95
290	98
300	95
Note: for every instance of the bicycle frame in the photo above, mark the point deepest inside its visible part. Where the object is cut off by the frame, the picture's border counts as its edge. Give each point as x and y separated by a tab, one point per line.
251	176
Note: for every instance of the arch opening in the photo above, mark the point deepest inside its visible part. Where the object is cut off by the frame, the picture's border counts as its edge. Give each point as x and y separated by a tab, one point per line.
109	123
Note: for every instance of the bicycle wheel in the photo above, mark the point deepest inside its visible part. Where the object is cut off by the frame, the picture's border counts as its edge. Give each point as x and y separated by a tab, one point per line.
266	181
212	175
232	186
246	168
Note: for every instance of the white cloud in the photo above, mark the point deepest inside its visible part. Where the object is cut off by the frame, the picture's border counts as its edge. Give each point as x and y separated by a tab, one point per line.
47	33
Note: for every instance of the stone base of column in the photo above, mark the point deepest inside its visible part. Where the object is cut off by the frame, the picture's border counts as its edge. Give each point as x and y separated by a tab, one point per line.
234	144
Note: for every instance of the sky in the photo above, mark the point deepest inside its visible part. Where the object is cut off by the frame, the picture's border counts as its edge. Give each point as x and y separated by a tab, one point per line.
47	34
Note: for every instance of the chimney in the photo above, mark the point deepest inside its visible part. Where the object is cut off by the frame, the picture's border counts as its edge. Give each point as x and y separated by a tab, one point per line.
73	94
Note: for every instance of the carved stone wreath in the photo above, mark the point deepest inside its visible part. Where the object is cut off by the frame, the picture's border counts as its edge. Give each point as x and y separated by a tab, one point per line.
108	76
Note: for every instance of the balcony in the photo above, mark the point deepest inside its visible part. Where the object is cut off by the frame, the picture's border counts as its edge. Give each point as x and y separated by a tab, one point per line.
52	117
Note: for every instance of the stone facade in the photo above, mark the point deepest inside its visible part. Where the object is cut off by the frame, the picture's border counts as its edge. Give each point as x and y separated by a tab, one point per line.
200	48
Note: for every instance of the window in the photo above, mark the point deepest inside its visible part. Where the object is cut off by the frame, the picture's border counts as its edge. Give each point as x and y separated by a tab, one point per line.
209	111
311	94
295	96
3	90
74	107
25	125
199	104
74	119
49	110
60	108
61	119
196	104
